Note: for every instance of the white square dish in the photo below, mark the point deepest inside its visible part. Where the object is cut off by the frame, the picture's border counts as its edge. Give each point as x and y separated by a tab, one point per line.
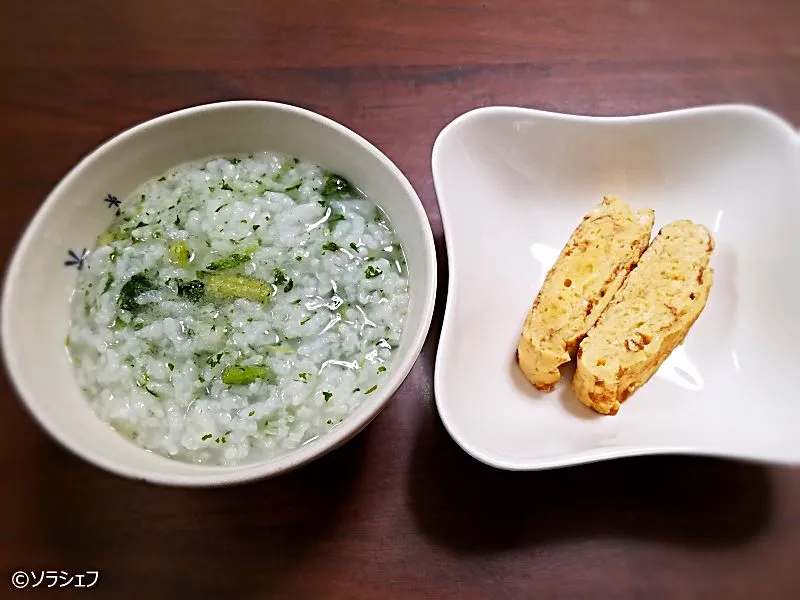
512	185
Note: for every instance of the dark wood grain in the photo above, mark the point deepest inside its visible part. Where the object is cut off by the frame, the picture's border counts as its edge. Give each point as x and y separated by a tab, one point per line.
399	512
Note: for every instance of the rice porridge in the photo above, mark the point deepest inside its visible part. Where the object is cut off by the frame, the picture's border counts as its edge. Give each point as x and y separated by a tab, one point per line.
237	308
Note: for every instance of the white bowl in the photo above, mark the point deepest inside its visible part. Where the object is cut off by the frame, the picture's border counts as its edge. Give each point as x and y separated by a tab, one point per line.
513	183
38	285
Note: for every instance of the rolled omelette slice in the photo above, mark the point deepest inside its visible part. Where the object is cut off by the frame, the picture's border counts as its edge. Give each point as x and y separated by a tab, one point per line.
650	315
590	269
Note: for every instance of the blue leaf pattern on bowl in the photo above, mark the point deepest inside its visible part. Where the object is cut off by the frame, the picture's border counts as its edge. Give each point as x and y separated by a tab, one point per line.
112	201
76	260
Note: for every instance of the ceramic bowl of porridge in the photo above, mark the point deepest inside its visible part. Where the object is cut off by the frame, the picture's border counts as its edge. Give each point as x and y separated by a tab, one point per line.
220	294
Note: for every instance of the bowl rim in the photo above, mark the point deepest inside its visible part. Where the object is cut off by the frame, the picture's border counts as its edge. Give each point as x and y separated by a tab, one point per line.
599	454
214	475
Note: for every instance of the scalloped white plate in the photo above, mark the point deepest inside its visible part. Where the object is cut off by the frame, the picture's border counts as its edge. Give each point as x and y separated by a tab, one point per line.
512	185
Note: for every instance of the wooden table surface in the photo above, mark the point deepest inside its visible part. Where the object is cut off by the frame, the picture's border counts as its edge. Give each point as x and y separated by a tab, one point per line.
400	512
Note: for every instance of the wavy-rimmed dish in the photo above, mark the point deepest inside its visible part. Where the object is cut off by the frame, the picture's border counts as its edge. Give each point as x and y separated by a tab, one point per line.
512	184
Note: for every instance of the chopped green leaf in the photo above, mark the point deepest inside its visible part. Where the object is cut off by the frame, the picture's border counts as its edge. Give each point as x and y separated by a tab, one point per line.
279	348
105	238
381	369
213	361
336	185
304	376
151	392
232	286
234	161
133	288
192	290
236	375
289	286
255	227
372	389
298	258
251	413
207	436
372	272
180	253
170	366
327	395
297	301
304	321
294	187
162	178
211	189
229	262
354	247
331	246
280	276
224	186
109	281
333	219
